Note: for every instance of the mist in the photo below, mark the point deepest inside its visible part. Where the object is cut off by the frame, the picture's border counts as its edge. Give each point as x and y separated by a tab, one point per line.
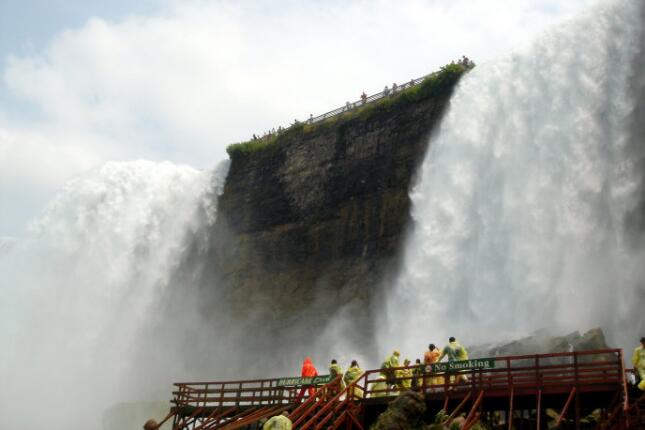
83	294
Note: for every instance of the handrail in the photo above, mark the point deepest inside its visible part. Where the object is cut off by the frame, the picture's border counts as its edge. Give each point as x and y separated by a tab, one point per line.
625	392
369	99
311	401
363	101
508	374
584	367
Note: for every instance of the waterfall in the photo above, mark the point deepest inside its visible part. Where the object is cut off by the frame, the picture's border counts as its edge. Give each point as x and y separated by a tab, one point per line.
82	292
522	202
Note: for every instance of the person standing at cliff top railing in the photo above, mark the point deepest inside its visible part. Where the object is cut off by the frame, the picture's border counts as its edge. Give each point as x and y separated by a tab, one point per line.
638	360
364	98
308	371
454	351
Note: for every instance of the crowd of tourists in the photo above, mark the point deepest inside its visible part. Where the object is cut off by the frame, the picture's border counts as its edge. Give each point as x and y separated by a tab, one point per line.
395	377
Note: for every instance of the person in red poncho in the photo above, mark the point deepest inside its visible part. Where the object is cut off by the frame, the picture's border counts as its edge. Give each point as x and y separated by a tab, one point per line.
308	371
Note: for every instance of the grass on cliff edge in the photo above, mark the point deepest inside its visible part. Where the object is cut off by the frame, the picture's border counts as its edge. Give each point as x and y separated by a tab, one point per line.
437	84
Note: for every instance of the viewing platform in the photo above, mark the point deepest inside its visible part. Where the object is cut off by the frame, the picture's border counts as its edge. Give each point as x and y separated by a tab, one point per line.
586	389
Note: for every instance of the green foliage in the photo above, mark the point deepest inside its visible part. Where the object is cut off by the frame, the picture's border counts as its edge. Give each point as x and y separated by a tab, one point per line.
438	84
242	149
245	148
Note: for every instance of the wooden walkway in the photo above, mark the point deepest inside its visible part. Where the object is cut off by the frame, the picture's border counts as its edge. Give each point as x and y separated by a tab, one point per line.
521	392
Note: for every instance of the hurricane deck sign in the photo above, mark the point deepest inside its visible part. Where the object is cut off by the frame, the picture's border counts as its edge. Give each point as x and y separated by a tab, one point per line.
312	380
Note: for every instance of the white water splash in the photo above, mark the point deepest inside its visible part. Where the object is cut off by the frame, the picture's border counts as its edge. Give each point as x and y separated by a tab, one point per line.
78	293
520	208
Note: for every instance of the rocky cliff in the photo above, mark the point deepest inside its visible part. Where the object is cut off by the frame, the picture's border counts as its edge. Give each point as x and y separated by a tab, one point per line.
312	222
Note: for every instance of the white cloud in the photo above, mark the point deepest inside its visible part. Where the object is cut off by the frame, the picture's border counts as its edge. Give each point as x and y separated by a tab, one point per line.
183	84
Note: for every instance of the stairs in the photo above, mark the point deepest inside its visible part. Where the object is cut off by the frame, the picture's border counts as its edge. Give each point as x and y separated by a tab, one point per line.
636	411
330	410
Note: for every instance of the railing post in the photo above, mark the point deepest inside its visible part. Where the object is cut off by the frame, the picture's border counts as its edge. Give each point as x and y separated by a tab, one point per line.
537	372
205	395
239	392
575	368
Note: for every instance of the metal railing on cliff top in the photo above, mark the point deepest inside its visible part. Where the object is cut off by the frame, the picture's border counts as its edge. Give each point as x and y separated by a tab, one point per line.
365	100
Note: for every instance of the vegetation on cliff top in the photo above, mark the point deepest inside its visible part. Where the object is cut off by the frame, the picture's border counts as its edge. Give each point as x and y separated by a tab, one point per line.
438	84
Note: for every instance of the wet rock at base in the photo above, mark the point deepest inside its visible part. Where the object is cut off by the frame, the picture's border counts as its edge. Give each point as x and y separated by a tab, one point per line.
543	342
404	413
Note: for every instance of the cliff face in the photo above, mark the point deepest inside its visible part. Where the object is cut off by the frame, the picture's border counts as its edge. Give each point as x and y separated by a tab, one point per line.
314	222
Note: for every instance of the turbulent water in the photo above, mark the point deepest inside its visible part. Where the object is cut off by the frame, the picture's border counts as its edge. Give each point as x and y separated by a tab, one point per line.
525	206
81	294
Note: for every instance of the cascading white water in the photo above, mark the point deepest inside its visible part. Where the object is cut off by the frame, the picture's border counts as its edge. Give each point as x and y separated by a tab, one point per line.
78	293
520	206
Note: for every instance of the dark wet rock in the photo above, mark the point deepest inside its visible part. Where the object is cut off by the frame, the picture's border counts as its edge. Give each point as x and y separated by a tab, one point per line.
404	413
314	225
542	342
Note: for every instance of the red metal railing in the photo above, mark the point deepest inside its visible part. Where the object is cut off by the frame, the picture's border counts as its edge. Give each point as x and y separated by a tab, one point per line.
549	372
234	393
229	404
235	404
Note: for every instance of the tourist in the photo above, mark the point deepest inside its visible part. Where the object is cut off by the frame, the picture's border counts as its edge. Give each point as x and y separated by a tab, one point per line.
404	376
454	351
352	375
379	388
334	371
430	357
308	371
418	373
278	422
638	360
388	365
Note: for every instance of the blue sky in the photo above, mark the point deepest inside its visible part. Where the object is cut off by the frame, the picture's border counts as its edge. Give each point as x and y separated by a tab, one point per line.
86	82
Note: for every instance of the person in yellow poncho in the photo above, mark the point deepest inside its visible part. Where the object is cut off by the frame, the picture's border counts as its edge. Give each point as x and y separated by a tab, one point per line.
379	388
417	373
335	370
404	384
386	368
638	360
279	422
455	352
353	373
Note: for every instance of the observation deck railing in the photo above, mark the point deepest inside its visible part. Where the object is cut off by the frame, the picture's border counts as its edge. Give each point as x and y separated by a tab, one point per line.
566	376
585	369
351	106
